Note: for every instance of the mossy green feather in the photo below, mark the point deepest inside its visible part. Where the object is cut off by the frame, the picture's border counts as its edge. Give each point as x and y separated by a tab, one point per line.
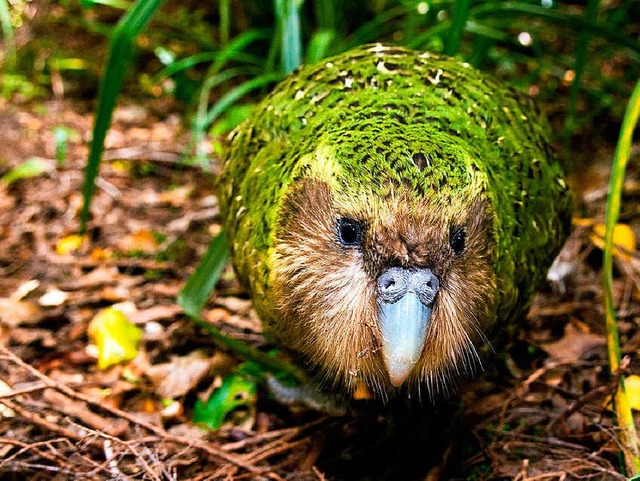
356	119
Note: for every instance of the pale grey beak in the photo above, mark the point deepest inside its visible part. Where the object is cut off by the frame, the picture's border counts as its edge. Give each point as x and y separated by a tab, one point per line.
405	303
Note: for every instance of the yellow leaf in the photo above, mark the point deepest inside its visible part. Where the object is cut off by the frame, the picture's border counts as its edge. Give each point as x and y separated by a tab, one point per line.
115	336
632	384
69	244
623	237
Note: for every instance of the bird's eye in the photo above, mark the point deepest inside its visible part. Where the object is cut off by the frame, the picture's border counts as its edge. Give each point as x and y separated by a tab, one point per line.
457	239
349	232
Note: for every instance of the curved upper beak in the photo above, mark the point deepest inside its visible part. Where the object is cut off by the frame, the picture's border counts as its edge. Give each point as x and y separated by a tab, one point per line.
405	304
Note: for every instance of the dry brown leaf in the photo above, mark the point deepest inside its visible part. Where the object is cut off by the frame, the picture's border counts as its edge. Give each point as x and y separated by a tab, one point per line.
141	240
176	197
15	313
574	345
180	375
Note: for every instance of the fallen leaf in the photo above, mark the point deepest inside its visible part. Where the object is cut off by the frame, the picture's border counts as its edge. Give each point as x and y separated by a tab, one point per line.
623	237
632	384
574	345
139	241
15	313
235	392
54	297
6	412
176	197
115	337
179	376
24	289
69	244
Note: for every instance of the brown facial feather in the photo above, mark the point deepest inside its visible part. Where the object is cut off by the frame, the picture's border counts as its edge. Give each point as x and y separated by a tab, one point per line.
325	293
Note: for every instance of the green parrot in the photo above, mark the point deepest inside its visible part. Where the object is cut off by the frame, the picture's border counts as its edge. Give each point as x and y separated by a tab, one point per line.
387	208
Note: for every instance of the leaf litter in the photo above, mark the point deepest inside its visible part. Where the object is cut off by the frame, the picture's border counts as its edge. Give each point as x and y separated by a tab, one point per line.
540	411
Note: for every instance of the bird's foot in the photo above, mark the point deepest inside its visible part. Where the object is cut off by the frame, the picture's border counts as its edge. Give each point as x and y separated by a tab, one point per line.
308	395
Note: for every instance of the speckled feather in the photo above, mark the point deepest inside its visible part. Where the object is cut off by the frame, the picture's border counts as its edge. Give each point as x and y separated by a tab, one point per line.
384	133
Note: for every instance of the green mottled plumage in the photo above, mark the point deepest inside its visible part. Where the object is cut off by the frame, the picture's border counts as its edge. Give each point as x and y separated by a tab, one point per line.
378	124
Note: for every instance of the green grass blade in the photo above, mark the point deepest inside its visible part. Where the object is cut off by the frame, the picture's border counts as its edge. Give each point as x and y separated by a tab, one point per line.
197	290
238	92
224	11
198	287
454	36
237	46
7	34
204	57
288	15
204	118
120	53
373	29
590	15
320	45
575	21
628	436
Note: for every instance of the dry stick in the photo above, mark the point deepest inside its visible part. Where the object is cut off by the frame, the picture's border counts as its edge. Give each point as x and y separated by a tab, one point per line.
130	445
25	390
29	447
216	452
43	423
233	446
95	442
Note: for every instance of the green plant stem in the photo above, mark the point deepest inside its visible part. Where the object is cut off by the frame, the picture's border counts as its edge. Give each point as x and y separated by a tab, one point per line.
628	435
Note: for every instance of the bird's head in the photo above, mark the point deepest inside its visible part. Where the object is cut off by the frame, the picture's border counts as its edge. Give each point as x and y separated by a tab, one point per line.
383	264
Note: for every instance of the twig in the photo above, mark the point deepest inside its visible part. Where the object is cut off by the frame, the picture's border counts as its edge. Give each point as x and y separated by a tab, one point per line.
209	449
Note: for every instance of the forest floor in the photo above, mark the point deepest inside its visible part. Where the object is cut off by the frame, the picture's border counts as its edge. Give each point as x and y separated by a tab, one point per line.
542	414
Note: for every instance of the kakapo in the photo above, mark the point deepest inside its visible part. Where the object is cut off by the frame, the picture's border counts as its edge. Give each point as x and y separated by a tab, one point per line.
386	208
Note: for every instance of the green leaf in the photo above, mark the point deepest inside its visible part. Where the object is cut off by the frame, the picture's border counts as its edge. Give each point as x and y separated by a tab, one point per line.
62	136
32	167
236	392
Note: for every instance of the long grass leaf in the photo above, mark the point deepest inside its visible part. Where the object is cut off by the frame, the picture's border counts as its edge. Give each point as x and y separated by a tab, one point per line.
288	15
375	28
320	45
196	292
575	21
224	11
204	57
204	118
582	49
454	36
237	93
624	415
7	34
198	287
120	53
